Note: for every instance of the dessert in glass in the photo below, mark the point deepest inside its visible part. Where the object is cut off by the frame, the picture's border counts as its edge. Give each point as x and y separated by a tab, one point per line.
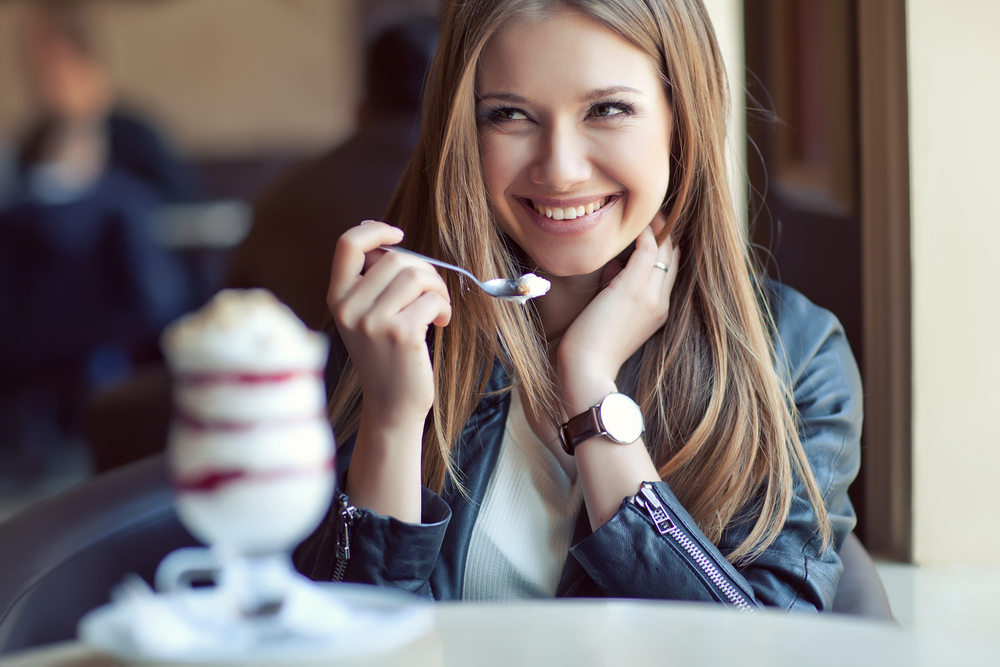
251	454
250	448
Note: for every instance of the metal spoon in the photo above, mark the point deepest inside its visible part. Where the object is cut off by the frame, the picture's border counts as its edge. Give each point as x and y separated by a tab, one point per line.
501	288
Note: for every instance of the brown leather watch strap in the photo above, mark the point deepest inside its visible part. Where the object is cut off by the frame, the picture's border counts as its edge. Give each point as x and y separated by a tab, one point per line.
580	428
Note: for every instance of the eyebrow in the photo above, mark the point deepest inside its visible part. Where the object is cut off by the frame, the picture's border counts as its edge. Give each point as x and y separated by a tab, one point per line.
504	96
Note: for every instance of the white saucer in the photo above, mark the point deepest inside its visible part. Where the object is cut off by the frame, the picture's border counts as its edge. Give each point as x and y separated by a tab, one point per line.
369	620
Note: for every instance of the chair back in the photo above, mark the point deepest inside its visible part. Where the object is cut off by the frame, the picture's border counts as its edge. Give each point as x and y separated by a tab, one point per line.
60	558
860	592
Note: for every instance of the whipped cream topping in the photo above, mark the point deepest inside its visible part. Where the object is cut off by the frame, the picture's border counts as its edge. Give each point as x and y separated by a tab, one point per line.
530	286
245	330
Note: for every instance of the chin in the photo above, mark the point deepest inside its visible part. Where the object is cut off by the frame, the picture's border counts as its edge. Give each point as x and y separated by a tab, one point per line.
567	257
568	266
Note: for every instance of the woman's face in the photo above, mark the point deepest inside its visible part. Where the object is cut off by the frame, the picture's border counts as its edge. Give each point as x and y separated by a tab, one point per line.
575	126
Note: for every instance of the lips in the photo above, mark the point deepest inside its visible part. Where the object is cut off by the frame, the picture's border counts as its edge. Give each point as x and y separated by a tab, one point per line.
542	212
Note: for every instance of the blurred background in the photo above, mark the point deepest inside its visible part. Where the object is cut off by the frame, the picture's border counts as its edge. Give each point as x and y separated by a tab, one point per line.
154	151
136	139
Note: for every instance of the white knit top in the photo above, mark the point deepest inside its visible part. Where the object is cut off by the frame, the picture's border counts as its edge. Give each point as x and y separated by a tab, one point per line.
522	534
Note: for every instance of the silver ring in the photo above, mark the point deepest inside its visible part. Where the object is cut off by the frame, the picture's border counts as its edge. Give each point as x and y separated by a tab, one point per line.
661	265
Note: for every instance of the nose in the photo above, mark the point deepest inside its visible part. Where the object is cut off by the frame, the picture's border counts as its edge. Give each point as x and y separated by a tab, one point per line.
563	159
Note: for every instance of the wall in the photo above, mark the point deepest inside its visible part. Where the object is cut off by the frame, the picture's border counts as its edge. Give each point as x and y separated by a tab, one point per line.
224	77
727	18
13	103
954	90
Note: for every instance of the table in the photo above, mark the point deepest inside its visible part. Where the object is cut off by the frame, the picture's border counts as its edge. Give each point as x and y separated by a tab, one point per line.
628	632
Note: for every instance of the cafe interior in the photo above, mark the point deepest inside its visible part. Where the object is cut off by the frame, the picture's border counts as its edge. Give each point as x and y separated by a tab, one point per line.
236	140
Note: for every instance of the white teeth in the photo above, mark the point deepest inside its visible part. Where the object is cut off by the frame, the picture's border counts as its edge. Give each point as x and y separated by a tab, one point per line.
569	213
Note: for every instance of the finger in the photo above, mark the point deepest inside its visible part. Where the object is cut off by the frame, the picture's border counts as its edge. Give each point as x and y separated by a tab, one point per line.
429	308
350	255
391	264
661	282
641	263
406	287
664	257
404	276
659	224
675	264
371	257
409	326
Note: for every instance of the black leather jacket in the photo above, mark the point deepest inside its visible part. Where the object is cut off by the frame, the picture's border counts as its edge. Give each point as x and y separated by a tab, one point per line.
651	548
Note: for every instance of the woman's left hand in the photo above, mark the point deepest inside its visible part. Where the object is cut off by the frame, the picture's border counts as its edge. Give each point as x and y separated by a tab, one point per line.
617	322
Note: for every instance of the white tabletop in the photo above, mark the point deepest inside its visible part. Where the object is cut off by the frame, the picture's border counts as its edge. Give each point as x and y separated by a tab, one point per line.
597	632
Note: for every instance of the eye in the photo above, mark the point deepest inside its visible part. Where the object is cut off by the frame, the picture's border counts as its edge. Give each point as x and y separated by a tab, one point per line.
611	109
501	115
511	114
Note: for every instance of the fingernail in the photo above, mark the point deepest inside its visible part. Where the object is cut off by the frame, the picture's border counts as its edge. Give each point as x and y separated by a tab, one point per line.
398	231
364	222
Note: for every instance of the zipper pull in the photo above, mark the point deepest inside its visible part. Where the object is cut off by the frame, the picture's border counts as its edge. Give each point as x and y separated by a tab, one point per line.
655	509
347	520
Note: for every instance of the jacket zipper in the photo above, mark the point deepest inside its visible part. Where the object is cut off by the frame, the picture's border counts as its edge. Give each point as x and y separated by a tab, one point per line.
347	512
666	526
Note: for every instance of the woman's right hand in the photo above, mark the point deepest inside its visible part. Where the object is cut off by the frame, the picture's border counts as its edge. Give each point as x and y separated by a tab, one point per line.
383	303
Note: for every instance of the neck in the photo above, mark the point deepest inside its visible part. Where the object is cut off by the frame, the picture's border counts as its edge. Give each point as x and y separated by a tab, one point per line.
565	300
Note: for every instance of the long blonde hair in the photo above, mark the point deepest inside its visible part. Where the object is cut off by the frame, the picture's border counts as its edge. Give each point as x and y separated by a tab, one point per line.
721	425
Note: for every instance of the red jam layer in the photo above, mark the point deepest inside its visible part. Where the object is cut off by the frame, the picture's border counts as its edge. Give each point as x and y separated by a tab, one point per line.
195	424
210	481
222	377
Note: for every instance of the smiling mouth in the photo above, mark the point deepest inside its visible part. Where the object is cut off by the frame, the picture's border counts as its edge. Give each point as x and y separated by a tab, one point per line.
570	212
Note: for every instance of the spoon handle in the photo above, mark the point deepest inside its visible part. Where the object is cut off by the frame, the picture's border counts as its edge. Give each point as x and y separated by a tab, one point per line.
431	260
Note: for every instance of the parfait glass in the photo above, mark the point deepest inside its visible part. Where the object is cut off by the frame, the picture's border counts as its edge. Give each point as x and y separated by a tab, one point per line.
250	450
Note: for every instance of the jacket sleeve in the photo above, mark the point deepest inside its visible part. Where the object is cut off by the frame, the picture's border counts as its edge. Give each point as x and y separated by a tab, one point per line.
358	545
635	555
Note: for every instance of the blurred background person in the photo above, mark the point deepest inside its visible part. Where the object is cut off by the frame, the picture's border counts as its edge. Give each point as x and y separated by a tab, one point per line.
84	288
298	220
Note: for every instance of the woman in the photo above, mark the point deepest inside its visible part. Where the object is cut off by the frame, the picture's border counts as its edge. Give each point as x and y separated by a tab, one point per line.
584	141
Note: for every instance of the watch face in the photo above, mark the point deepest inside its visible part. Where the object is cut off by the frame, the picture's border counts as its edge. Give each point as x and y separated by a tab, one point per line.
621	418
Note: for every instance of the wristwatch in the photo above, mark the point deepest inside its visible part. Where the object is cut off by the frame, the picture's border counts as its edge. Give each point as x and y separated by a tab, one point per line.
616	417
